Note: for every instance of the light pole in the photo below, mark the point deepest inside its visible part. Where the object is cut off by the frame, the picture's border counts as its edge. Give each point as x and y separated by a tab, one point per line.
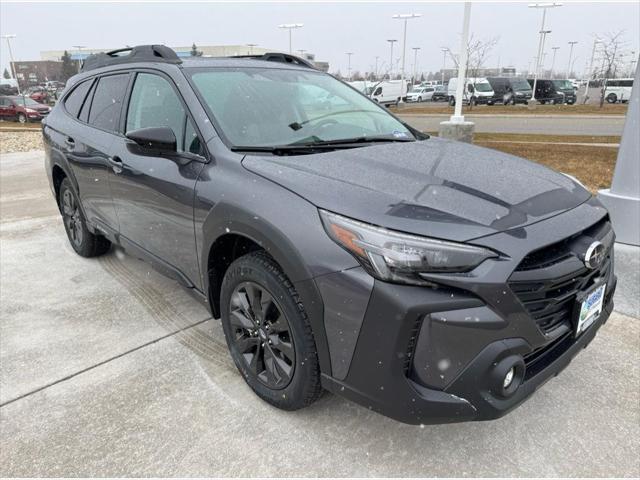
572	43
405	17
596	41
632	68
8	37
348	54
444	61
415	63
553	62
544	7
251	45
376	70
290	27
79	48
391	42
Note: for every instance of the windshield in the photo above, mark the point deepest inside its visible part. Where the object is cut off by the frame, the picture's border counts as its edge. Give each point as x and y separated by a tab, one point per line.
482	87
440	88
520	84
261	107
563	84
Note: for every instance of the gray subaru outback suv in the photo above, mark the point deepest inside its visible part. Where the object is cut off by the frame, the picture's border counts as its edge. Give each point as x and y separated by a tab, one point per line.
429	280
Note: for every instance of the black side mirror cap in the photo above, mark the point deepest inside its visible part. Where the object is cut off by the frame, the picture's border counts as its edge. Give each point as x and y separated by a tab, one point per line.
157	139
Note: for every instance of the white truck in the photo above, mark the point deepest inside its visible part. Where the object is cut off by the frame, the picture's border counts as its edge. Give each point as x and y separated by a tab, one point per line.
389	92
477	90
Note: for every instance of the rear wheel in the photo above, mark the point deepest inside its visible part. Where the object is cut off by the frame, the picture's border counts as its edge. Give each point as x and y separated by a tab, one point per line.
22	118
85	243
452	101
612	98
268	333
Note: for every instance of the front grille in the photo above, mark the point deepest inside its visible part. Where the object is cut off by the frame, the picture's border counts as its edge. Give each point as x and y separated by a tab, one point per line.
547	280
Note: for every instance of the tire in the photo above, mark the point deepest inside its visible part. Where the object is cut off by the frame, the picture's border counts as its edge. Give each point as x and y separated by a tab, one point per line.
513	101
612	98
452	101
85	243
293	379
542	102
22	118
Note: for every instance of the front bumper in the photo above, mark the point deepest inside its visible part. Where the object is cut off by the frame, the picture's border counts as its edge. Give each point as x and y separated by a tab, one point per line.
437	355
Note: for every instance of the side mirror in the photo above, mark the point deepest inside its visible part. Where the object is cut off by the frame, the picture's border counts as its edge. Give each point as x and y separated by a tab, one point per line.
157	139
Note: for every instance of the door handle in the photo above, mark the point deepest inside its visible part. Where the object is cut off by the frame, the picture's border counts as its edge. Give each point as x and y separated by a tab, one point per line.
116	164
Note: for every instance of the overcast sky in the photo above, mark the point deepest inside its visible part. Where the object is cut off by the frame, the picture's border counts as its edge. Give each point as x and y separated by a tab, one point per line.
330	29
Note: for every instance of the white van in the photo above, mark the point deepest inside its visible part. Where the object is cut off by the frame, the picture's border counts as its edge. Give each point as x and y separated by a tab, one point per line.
618	90
361	85
477	90
389	92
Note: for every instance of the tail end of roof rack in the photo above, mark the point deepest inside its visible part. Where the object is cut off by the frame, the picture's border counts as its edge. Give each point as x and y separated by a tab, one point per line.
140	53
280	57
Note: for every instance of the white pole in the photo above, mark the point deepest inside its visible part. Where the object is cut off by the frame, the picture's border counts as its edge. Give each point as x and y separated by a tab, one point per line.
570	57
462	65
391	42
415	63
553	62
404	48
444	62
539	57
12	63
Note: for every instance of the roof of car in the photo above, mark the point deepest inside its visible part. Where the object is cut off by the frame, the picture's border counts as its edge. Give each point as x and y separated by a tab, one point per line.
236	62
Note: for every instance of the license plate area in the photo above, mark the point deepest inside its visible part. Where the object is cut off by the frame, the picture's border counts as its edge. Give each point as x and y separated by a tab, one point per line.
589	306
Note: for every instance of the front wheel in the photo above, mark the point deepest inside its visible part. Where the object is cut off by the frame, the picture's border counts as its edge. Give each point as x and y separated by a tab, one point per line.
85	243
268	333
22	118
452	101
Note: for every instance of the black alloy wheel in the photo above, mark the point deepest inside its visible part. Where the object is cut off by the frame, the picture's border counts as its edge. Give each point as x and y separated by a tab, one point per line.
72	218
262	335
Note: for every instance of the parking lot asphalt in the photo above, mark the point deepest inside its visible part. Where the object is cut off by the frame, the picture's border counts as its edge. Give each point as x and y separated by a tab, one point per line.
110	369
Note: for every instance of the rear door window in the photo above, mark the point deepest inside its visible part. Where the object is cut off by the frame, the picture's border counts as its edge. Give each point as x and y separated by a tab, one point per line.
107	102
74	100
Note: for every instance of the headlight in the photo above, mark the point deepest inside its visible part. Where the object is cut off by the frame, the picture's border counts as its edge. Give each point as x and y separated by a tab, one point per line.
399	257
30	110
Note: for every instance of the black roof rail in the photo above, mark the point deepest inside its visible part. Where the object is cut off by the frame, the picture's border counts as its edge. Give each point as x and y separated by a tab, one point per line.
140	53
280	57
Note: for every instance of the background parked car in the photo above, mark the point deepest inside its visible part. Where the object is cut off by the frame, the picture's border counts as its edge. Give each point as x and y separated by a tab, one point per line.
618	90
554	91
22	108
39	94
420	94
510	90
476	91
439	94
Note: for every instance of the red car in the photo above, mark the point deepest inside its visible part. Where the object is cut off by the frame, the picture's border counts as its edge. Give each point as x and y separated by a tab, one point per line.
23	109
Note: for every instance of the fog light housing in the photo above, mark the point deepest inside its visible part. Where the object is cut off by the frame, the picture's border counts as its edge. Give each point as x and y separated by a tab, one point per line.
507	375
508	378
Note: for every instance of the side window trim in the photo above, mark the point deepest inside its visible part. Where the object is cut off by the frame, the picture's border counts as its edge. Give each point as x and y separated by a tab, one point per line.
188	115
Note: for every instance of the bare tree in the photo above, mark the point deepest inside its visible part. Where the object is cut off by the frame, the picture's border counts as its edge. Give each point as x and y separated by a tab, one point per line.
610	45
478	51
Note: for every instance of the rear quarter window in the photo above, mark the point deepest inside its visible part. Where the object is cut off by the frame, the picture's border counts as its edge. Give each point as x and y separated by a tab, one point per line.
107	102
74	100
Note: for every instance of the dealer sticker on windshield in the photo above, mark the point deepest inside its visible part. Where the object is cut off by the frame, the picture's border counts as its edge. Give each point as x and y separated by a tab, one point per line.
590	309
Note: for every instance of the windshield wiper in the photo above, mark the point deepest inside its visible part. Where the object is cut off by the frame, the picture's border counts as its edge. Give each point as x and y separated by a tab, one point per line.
314	141
315	146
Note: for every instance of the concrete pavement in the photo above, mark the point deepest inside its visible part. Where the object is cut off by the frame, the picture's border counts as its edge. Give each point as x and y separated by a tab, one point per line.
108	368
531	124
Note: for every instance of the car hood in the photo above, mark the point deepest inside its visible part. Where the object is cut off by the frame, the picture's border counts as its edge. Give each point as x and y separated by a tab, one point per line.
438	188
